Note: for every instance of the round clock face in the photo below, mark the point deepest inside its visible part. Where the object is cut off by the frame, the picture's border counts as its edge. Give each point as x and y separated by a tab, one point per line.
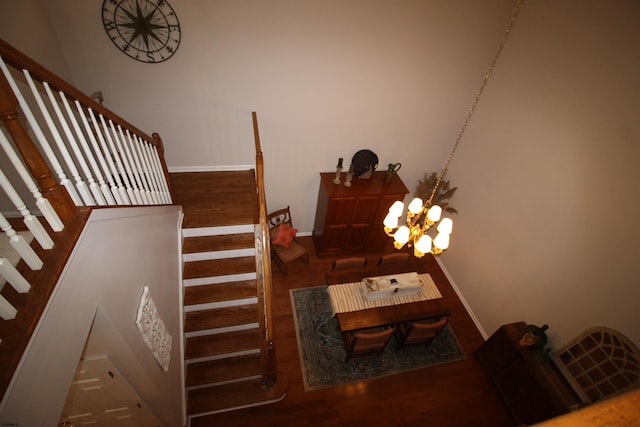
145	30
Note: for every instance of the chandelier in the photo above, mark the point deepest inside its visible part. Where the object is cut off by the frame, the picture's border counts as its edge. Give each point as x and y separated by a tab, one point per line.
423	216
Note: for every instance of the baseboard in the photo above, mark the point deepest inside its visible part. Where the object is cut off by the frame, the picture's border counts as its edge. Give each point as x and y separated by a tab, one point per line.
464	302
177	169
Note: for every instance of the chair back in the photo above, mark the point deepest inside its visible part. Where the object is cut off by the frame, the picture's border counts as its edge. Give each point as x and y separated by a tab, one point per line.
367	342
421	332
394	258
351	262
275	219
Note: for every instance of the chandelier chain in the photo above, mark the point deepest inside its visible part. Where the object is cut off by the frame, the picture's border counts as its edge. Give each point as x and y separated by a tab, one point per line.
474	104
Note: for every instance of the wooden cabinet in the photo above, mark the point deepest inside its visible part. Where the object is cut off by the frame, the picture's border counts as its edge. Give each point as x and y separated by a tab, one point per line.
349	219
533	390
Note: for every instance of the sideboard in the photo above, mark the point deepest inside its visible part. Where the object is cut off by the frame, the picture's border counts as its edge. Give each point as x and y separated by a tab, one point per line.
533	388
349	219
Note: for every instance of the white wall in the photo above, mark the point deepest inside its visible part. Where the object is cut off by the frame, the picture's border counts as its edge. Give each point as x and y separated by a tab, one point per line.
119	252
557	127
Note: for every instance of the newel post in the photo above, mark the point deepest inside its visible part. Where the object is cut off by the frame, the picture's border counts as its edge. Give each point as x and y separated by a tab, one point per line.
50	189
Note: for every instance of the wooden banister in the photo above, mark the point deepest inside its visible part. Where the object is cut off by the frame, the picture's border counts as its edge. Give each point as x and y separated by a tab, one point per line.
17	59
267	346
55	193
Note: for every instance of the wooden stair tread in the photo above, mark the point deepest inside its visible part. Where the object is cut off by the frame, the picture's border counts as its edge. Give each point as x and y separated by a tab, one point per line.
220	317
216	198
216	344
220	292
210	399
218	243
215	371
218	267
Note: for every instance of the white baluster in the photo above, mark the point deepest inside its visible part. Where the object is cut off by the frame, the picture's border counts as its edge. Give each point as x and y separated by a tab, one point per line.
118	161
43	204
56	137
13	276
106	191
21	246
139	146
119	193
95	187
62	148
157	170
145	190
161	176
53	160
143	147
7	311
85	192
30	221
128	162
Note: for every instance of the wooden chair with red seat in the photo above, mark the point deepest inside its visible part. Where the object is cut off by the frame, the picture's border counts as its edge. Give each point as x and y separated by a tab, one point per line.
366	342
284	247
419	332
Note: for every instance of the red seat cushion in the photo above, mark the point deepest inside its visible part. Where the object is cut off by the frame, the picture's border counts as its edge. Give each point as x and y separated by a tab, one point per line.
285	235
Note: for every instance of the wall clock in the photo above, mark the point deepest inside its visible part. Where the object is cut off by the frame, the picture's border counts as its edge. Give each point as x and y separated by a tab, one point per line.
145	30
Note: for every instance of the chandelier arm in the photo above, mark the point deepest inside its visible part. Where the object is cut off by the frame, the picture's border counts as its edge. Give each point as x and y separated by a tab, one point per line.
474	104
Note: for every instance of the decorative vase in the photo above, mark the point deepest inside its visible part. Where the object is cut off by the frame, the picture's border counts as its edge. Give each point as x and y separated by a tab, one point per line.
393	168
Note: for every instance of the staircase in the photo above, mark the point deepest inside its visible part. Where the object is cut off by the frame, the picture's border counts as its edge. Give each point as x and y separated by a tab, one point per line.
222	330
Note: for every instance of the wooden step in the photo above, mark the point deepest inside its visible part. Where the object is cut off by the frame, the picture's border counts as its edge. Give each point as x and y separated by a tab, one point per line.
223	397
216	198
217	344
218	267
220	317
220	370
218	243
220	292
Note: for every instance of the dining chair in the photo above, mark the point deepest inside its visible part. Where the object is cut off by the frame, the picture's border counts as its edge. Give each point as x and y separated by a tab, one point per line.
394	258
284	246
351	262
420	332
366	342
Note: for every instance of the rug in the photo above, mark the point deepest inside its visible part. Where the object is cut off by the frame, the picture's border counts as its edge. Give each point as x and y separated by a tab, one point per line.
322	351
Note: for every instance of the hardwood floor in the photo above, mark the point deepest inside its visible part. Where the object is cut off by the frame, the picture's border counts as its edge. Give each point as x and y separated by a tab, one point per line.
457	394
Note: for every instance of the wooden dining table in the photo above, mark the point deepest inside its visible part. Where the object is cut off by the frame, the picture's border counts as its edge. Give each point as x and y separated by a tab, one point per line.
386	315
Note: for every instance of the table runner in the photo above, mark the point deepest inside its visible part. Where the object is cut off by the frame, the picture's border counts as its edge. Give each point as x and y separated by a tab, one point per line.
347	297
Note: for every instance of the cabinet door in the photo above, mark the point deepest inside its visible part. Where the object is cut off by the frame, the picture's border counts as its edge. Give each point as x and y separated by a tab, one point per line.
378	240
360	224
337	223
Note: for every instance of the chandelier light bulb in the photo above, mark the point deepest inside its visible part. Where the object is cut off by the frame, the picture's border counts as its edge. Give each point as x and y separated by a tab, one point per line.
390	221
434	213
441	241
445	226
424	244
415	206
396	208
401	236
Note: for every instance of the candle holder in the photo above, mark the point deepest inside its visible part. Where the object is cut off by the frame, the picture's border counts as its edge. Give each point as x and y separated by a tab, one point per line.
338	172
347	182
336	180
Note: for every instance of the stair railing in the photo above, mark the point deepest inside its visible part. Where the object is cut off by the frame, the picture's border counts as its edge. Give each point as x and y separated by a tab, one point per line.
61	153
263	257
67	151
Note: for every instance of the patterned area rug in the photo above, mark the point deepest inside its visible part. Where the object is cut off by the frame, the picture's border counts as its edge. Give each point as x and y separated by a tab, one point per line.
322	351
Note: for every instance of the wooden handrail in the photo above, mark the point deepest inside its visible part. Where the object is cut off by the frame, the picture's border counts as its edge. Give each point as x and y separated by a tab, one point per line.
17	59
10	111
267	346
55	193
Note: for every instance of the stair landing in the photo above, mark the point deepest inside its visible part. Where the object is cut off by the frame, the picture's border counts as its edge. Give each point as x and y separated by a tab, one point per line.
216	198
